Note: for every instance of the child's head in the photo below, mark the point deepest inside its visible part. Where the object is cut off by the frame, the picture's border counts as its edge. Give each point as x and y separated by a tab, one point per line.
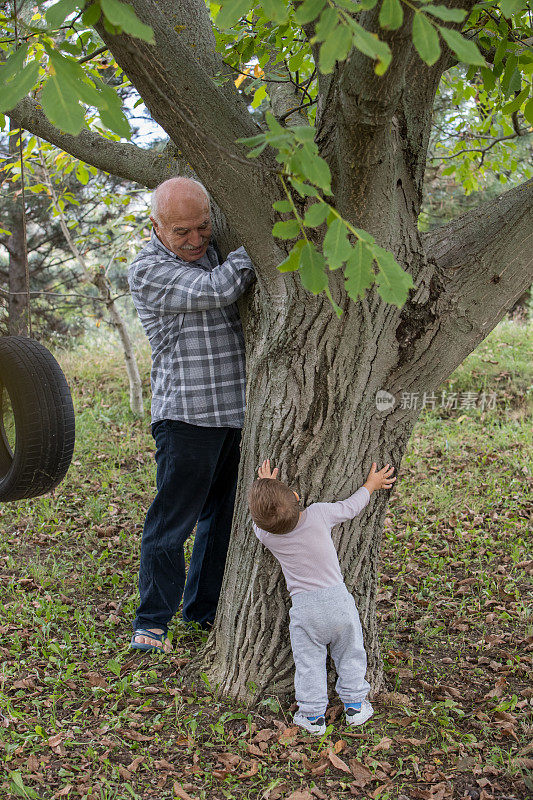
274	507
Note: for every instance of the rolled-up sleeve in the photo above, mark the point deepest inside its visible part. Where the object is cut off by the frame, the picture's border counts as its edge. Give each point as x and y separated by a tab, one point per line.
168	287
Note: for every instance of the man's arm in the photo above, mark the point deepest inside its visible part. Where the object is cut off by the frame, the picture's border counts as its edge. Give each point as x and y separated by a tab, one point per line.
167	287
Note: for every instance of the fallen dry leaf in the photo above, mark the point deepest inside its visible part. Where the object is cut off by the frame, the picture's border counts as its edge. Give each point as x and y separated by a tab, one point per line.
180	792
384	744
133	767
361	773
288	735
254	767
300	794
337	762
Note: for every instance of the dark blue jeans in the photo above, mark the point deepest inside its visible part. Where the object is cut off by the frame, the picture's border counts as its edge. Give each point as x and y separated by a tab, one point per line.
196	483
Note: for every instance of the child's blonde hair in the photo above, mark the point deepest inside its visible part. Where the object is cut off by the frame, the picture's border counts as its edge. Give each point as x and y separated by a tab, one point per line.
273	506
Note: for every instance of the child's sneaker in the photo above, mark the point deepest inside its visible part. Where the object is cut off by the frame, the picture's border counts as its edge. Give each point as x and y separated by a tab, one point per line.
357	713
315	725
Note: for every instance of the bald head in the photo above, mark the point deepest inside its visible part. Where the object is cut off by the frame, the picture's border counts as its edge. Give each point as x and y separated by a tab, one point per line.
181	217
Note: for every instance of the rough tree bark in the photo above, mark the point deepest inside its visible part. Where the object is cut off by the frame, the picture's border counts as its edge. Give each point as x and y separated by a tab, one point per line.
312	379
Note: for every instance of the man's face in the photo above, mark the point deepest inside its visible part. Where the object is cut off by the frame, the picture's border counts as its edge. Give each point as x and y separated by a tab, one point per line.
185	228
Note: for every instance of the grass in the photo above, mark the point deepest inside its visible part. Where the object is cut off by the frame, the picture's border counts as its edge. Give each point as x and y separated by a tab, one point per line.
79	717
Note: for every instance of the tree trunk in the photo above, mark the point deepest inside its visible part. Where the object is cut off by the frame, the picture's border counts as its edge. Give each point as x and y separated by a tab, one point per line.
311	395
18	297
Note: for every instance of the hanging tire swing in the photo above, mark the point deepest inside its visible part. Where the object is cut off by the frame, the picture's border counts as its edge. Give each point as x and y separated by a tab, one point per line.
37	425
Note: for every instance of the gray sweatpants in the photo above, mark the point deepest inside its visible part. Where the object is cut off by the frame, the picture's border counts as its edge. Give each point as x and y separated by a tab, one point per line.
318	618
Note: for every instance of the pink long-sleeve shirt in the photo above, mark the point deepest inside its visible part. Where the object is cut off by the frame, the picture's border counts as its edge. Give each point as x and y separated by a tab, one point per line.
307	554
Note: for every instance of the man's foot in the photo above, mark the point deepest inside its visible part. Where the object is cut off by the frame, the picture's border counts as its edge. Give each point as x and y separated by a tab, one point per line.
315	725
357	713
150	640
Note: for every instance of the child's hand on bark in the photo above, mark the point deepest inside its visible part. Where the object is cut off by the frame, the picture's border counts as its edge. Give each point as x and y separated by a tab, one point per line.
264	470
381	479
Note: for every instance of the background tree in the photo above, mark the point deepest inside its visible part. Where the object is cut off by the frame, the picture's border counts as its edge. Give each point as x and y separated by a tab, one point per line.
348	183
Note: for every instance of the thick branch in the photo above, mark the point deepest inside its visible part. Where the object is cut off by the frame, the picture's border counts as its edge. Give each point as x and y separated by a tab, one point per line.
146	167
482	263
204	123
368	101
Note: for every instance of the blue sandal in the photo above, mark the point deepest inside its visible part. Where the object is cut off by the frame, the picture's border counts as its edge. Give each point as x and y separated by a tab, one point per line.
148	648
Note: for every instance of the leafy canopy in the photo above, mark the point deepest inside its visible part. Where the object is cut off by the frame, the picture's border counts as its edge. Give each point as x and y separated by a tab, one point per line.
271	40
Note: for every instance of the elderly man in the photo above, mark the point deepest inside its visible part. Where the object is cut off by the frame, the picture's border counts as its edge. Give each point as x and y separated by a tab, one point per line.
186	302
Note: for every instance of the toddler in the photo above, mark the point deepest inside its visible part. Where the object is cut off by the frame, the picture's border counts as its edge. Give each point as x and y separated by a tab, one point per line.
323	611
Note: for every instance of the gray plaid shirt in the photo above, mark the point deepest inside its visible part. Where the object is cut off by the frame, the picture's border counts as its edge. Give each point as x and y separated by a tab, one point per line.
189	313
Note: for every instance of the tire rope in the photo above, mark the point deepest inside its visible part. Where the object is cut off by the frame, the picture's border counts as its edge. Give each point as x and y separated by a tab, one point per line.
24	229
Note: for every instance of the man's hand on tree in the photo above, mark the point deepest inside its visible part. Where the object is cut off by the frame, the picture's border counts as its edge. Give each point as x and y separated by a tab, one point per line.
379	480
264	470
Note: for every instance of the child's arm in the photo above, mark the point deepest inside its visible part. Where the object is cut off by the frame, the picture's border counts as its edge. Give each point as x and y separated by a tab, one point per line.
343	510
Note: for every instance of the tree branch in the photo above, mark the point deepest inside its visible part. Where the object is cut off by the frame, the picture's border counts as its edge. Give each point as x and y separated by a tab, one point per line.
147	167
480	264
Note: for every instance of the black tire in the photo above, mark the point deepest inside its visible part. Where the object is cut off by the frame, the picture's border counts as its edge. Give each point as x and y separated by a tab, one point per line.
37	434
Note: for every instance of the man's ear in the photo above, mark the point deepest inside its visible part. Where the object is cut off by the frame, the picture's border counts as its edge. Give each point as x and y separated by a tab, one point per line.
154	223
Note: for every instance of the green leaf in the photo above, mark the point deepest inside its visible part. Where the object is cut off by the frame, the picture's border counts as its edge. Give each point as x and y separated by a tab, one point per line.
466	51
250	141
515	104
16	89
528	111
303	189
393	282
60	104
391	14
292	262
358	272
57	13
425	39
92	15
312	273
445	13
67	71
124	17
500	51
259	96
335	48
114	118
13	63
18	786
510	7
82	174
336	246
316	215
286	229
489	80
231	12
365	236
371	46
308	11
306	163
326	25
276	10
282	206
